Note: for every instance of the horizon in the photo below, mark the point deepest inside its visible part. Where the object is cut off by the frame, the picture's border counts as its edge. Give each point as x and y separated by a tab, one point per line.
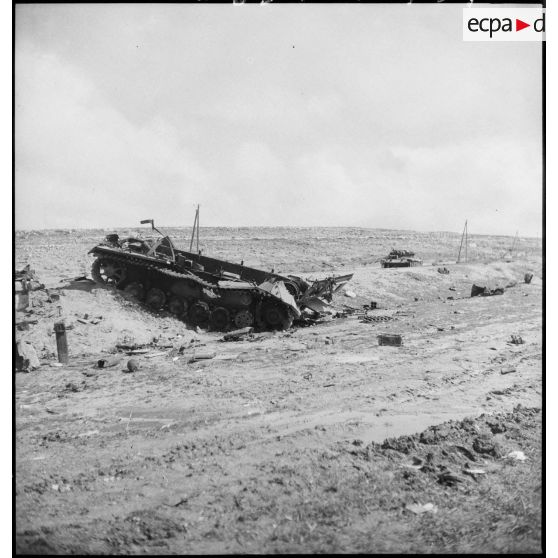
163	227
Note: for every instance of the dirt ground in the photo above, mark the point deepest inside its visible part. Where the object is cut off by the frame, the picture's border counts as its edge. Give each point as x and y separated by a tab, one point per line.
316	439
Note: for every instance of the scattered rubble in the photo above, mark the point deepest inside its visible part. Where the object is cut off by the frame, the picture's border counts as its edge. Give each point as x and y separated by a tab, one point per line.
421	508
516	340
26	357
517	455
132	365
202	356
485	291
108	362
390	339
373	319
237	334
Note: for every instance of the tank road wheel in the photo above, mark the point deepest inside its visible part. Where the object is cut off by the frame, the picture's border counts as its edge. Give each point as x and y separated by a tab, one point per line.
155	298
245	299
244	318
136	290
108	272
199	314
220	319
276	317
176	306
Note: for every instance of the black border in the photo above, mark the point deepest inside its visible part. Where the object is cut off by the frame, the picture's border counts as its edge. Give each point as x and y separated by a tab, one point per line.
543	118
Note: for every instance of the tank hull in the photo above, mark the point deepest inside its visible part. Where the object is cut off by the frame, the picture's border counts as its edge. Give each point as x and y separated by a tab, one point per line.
204	291
201	298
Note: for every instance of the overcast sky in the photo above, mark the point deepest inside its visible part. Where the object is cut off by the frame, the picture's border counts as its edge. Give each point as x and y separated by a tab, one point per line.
295	115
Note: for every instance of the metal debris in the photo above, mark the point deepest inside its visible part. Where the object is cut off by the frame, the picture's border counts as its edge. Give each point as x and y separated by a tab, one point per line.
237	334
61	342
202	356
421	508
107	362
132	365
374	319
392	339
485	291
26	357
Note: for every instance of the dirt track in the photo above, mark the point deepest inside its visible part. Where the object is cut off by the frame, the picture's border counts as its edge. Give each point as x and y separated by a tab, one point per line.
251	451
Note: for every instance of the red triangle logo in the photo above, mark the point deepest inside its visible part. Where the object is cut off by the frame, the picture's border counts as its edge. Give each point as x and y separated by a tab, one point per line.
519	25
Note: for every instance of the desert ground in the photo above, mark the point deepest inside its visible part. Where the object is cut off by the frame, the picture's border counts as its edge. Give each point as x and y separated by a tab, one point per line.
316	439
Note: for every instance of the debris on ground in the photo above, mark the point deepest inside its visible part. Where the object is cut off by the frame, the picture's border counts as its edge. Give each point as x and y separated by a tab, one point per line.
508	370
392	339
26	357
108	362
485	291
518	455
421	508
516	340
473	472
28	279
350	294
132	365
202	356
130	346
374	319
25	282
528	278
154	355
449	479
237	334
443	270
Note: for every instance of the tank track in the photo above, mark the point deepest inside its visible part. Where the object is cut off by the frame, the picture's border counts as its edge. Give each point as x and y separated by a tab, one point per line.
268	312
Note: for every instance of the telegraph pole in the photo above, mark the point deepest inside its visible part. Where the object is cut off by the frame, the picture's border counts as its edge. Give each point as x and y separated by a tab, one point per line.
463	237
194	228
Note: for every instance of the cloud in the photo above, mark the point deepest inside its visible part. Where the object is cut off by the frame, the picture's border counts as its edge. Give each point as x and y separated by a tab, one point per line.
357	115
78	159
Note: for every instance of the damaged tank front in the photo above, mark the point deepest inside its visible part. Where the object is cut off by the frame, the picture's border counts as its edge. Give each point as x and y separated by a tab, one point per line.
207	292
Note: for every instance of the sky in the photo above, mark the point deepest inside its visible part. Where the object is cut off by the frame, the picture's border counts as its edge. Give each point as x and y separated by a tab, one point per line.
367	115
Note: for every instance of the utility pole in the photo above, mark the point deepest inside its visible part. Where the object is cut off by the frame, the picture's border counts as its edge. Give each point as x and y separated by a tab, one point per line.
198	233
466	242
463	236
194	228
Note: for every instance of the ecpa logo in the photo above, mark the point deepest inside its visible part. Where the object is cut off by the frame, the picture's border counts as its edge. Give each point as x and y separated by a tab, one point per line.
503	24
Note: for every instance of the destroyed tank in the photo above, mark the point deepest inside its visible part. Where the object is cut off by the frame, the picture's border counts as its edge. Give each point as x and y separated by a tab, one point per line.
203	291
400	258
